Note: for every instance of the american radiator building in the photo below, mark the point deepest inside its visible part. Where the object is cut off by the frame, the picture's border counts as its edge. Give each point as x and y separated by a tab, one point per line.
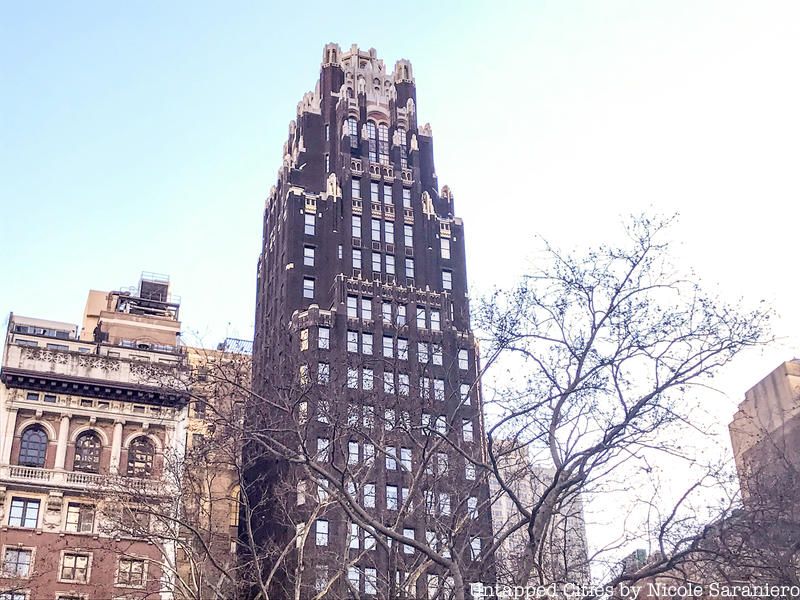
365	364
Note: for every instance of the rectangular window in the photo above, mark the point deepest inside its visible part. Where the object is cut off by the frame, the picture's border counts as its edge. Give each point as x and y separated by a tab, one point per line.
465	388
472	507
475	548
447	280
402	348
438	389
388	382
374	192
406	198
391	457
388	347
445	245
323	449
375	229
437	354
386	311
353	574
352	453
352	378
323	373
408	236
303	340
308	287
466	428
376	262
403	384
322	578
369	495
74	567
387	193
409	533
366	309
410	268
80	518
321	533
469	472
24	513
388	232
322	490
367	379
327	133
421	318
370	574
390	264
369	452
435	320
356	258
401	315
308	256
355	222
405	459
391	497
324	338
463	359
366	343
352	307
355	189
310	224
327	163
16	563
353	542
352	341
131	572
422	352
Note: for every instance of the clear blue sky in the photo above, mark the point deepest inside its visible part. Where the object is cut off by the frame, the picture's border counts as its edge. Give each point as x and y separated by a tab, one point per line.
145	136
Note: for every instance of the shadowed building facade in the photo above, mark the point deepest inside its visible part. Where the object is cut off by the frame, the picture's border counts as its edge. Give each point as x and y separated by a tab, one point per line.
362	297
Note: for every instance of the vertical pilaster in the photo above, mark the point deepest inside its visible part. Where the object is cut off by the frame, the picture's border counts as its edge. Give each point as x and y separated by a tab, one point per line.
116	447
63	439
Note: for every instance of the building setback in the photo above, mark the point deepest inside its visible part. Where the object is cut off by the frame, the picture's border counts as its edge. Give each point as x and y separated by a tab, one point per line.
362	309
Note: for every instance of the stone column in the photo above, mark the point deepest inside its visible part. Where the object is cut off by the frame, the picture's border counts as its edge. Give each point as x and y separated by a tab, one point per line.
8	436
63	439
116	447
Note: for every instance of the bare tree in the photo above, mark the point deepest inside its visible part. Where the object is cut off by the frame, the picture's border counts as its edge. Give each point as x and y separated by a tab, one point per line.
608	345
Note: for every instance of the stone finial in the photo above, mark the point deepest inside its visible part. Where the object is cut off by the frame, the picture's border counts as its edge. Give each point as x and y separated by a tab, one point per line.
364	133
397	138
292	127
427	204
403	71
333	189
426	130
331	54
410	107
362	85
414	143
447	194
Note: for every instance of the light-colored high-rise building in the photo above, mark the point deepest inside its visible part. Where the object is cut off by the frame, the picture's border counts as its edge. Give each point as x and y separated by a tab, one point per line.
562	554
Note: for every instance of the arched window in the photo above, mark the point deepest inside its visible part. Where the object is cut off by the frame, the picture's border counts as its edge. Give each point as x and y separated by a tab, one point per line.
383	143
352	129
87	452
372	136
140	457
33	448
234	508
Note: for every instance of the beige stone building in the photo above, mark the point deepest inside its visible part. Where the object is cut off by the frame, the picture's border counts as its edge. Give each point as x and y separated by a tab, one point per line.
765	431
95	434
563	556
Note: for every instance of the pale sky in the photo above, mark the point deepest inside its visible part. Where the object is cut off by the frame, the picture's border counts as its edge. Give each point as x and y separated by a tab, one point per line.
146	136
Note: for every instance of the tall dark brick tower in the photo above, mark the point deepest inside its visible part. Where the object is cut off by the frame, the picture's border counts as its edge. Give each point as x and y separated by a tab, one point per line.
362	303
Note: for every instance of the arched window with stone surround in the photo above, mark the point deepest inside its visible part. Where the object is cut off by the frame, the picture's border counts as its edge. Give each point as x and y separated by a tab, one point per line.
87	452
33	447
372	136
140	457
